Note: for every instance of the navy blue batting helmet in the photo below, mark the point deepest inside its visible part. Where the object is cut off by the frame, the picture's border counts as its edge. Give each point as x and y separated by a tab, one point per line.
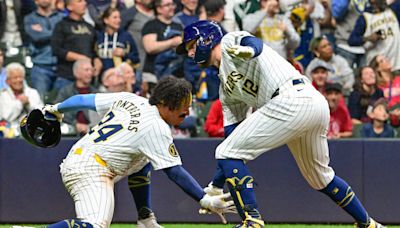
207	33
40	132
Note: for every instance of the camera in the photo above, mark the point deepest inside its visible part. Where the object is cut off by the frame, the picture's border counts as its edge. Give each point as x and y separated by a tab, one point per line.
381	34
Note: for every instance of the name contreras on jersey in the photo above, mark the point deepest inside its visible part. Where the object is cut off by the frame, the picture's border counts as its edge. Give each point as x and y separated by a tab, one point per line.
248	86
232	78
133	110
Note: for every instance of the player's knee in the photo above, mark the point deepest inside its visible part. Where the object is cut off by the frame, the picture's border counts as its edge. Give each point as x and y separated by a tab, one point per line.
321	181
221	152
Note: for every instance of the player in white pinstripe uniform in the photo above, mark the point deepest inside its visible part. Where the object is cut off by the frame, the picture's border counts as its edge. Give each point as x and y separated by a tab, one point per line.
288	111
133	132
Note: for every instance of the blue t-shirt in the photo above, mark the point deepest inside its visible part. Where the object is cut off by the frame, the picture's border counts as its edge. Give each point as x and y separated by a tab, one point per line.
367	131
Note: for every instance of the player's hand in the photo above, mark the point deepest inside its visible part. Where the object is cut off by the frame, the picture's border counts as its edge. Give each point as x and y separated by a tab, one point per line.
213	190
238	51
51	112
217	204
231	209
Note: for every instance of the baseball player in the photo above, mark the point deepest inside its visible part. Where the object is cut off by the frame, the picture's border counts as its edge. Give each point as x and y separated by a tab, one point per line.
133	132
288	111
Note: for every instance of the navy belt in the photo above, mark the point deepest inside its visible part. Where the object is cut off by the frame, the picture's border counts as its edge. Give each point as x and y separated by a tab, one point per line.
294	82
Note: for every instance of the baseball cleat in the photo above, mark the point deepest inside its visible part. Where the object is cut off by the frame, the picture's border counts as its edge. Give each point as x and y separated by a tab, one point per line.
251	223
372	224
150	222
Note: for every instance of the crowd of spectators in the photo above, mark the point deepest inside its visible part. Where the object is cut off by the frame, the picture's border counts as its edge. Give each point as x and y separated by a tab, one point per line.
53	49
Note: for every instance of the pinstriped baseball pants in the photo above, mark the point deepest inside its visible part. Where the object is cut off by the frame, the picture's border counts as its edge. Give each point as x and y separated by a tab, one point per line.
298	118
91	186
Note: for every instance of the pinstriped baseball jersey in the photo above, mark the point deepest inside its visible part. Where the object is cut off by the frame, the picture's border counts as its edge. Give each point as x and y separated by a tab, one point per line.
130	135
387	23
131	132
289	111
250	82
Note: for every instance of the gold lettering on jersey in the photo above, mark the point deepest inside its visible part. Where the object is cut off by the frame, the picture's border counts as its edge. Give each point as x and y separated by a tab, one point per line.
173	151
133	110
80	29
250	88
383	21
232	78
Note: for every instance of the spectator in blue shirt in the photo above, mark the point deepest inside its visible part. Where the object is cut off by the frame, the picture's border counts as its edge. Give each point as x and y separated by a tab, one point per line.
39	26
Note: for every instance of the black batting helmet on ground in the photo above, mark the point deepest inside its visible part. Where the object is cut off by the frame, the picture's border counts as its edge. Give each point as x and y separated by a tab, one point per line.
39	131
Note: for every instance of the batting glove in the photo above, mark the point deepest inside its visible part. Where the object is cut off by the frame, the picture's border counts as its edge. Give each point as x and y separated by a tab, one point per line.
238	51
51	112
213	190
218	205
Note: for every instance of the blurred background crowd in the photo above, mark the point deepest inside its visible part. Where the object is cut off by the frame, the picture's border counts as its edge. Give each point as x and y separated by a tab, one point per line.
53	49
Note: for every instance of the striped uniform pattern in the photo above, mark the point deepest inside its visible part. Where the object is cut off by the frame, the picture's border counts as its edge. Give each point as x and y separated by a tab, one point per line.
389	46
130	135
298	116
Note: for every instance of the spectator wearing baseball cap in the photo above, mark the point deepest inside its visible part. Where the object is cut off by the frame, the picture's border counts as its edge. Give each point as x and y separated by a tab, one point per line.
378	127
319	74
340	125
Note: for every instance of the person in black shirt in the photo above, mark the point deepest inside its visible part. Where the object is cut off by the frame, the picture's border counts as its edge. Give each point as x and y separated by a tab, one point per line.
160	37
73	39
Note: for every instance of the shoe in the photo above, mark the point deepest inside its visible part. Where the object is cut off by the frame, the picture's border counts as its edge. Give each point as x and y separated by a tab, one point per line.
372	224
150	222
251	223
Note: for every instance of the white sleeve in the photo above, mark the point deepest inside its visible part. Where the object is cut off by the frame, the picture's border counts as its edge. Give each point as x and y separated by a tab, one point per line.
346	73
233	38
104	101
159	147
253	20
293	38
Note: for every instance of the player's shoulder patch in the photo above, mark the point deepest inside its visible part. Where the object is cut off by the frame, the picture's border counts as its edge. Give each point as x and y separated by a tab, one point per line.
172	150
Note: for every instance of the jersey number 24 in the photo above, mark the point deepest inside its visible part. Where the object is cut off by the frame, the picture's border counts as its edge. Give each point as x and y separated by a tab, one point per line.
106	130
